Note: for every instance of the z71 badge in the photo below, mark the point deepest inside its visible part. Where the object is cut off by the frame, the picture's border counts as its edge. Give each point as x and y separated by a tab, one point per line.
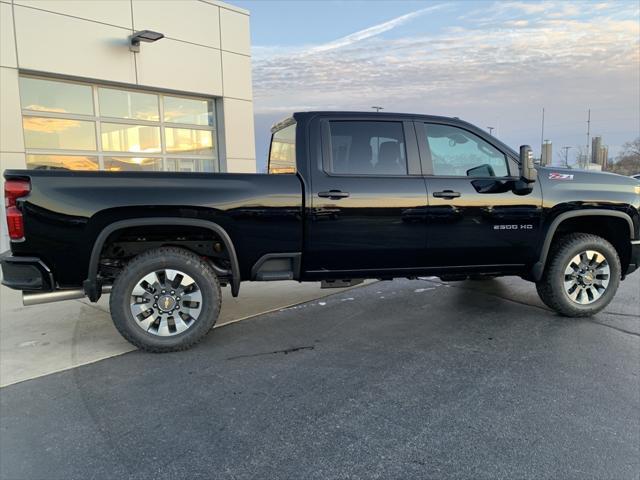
560	176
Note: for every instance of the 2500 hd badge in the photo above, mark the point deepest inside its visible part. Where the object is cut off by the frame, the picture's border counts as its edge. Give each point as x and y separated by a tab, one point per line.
513	227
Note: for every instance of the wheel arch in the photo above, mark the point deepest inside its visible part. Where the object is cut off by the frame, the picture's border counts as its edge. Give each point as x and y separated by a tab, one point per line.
91	285
538	268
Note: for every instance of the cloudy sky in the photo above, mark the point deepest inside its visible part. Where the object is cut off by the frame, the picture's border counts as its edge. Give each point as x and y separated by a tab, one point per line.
491	63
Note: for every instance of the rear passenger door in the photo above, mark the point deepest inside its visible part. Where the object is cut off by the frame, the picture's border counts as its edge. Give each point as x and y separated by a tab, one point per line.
368	199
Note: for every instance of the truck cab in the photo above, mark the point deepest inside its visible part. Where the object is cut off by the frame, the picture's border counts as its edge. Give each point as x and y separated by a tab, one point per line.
400	195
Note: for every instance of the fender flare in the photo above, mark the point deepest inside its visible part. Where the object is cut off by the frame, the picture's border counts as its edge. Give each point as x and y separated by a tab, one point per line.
93	290
538	268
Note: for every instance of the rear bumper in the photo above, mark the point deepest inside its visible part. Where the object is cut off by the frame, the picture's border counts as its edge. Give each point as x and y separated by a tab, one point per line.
25	273
634	261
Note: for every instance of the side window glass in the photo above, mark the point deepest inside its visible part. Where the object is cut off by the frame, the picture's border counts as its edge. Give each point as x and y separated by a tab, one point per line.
367	148
282	155
456	152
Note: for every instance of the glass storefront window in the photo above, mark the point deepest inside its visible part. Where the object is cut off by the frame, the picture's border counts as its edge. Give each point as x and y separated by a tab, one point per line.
143	164
184	140
189	165
42	95
58	133
128	104
119	137
187	110
128	129
67	162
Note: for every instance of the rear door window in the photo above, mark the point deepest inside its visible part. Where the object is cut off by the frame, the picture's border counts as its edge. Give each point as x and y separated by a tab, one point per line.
367	148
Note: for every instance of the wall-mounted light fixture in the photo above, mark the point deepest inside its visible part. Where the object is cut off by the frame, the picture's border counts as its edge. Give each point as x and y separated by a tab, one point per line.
143	36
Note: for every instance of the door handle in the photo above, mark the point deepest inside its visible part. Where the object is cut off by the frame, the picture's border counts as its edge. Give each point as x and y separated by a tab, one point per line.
446	194
333	194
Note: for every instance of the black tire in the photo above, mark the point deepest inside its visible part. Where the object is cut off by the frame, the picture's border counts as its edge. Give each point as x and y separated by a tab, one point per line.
158	259
551	287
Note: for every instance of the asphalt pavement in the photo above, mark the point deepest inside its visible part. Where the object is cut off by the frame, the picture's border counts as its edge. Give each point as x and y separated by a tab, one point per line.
52	337
394	380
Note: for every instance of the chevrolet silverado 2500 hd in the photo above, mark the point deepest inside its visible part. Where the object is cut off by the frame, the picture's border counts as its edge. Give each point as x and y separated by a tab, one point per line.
347	196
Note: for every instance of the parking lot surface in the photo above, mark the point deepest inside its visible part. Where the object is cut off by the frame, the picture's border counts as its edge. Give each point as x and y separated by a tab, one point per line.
403	379
51	337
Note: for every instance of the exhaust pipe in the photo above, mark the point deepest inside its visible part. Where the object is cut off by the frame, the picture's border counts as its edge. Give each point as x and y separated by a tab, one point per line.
29	299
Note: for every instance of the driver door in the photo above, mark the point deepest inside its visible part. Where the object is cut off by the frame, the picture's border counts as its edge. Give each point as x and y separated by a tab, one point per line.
474	218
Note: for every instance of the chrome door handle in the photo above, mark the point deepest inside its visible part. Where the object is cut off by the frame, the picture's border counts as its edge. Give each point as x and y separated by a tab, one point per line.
333	194
446	194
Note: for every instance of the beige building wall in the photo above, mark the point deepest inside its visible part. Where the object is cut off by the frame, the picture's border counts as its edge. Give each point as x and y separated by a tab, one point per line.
205	52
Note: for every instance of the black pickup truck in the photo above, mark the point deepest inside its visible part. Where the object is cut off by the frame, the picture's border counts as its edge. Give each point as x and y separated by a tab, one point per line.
348	196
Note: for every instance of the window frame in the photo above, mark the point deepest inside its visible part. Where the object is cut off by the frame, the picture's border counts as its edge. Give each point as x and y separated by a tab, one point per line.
165	157
427	161
410	140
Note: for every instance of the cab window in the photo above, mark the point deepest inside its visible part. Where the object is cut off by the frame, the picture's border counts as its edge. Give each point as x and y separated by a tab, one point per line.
367	148
282	154
459	153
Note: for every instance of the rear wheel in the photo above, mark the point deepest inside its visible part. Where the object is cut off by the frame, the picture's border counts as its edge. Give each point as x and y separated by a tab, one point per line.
582	275
165	300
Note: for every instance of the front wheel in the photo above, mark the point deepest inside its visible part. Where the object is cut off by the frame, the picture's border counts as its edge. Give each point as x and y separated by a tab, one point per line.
582	275
165	300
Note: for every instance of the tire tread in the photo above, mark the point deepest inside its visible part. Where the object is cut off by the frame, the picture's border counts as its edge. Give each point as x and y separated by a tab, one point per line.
553	297
187	256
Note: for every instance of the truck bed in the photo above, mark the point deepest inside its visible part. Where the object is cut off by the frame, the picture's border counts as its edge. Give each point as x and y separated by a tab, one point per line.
66	211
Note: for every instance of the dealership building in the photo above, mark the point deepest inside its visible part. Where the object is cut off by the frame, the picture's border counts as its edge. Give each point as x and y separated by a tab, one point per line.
125	85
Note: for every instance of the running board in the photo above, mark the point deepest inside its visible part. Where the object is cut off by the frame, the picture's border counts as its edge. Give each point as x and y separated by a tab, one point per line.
273	276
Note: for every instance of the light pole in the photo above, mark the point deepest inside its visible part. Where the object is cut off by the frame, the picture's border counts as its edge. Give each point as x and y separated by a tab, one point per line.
491	129
377	109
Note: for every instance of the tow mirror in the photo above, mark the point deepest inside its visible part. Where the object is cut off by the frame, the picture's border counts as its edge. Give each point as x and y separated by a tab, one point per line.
528	172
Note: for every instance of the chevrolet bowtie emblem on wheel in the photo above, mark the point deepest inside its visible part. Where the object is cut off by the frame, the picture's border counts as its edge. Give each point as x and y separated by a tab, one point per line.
167	302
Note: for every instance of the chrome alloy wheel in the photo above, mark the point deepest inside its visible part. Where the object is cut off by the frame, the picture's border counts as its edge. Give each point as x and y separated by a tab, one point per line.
166	302
586	277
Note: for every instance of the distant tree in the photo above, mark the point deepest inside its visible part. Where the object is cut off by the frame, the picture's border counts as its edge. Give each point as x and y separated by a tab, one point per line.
628	160
633	147
582	159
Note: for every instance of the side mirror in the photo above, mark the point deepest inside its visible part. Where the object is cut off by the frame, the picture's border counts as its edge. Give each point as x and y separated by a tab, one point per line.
528	172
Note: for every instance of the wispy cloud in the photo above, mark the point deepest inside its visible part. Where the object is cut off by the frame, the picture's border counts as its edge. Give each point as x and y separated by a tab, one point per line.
374	30
526	7
501	64
516	23
458	60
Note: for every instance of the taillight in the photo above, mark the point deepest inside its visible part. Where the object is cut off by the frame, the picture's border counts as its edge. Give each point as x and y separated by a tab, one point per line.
13	190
